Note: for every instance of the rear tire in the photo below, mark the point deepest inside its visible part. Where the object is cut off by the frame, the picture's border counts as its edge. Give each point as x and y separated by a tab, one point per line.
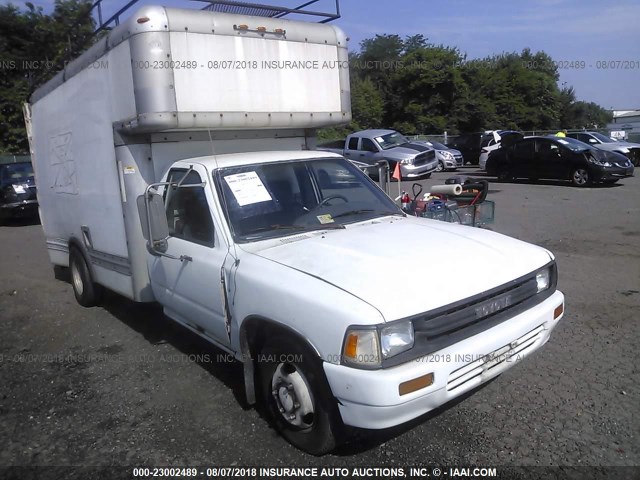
87	293
505	176
580	177
296	396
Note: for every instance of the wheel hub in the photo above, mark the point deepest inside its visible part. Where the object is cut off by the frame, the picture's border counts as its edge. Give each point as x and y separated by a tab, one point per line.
76	278
292	396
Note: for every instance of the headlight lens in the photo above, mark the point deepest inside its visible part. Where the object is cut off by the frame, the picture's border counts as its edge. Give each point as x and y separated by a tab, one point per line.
446	155
367	347
396	338
406	161
543	279
595	161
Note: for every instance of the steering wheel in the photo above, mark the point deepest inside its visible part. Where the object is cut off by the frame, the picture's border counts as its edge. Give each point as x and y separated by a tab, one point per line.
332	197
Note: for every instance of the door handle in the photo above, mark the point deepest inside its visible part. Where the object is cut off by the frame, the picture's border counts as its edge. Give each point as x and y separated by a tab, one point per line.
362	154
186	258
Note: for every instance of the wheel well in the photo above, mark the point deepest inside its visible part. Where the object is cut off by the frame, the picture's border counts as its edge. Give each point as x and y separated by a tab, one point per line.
254	333
257	330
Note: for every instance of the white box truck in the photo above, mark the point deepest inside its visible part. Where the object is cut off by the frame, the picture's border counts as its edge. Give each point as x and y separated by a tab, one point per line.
175	163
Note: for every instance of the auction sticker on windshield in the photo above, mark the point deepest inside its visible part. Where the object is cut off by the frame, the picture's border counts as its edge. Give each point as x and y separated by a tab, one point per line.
247	188
325	219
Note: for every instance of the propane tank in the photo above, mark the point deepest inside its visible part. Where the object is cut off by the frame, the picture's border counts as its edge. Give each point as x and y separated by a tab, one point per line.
406	201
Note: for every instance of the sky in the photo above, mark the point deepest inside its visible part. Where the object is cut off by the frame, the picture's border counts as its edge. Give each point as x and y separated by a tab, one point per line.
587	34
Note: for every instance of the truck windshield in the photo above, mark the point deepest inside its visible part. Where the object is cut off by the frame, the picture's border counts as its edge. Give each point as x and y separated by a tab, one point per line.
284	198
391	140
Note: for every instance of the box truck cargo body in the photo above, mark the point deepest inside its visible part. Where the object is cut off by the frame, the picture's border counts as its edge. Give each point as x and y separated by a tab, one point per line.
175	162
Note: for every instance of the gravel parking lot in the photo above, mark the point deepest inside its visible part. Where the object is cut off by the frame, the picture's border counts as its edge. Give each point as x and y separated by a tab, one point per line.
118	385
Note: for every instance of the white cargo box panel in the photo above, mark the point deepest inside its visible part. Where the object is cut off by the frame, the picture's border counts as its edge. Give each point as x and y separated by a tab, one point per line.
194	69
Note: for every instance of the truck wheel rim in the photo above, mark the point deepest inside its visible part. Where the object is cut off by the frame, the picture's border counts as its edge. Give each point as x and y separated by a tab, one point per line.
76	278
580	176
292	396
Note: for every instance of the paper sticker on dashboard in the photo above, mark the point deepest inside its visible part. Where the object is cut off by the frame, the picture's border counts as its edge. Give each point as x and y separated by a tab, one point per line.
247	188
325	219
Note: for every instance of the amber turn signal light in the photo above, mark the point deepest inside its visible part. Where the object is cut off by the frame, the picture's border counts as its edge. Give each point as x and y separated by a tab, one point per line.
415	384
558	311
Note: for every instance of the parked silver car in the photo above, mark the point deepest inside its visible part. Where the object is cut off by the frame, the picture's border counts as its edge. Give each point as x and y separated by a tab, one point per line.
448	158
602	142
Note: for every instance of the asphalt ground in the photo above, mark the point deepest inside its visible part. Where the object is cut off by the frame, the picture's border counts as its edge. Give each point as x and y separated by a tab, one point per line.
122	385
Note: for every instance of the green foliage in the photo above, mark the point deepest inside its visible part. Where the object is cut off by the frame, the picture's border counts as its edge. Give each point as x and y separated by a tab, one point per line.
366	103
34	47
432	88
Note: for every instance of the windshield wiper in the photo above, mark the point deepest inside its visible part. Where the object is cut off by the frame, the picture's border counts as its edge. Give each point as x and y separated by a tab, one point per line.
367	210
297	228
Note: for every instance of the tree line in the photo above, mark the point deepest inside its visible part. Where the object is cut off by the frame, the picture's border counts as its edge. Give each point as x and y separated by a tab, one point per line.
407	84
417	87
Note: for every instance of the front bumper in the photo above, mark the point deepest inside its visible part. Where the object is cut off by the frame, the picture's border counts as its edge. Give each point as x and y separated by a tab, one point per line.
23	208
612	173
412	171
371	398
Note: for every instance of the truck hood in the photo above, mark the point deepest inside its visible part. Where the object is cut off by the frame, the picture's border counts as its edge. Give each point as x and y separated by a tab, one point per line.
397	265
400	153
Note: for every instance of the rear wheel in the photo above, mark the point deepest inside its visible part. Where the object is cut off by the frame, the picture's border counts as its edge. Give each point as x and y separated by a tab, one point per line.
296	396
505	176
87	293
580	177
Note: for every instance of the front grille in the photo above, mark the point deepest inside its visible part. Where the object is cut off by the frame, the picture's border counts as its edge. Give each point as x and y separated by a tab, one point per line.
445	326
454	320
420	159
484	365
459	160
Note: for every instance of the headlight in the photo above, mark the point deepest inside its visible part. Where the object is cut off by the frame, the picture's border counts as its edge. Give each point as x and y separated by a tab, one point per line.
543	279
446	155
595	161
396	338
367	347
406	161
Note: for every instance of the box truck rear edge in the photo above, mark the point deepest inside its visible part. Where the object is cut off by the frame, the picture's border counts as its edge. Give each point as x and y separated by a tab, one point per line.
182	112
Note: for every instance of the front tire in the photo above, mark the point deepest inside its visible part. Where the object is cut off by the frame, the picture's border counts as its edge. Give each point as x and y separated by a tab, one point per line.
296	396
440	167
580	177
87	293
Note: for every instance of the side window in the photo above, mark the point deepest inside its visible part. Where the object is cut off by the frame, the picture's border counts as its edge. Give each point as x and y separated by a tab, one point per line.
353	143
547	149
188	213
524	150
583	137
368	145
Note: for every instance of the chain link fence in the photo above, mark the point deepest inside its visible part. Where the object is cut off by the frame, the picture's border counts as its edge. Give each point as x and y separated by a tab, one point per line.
14	158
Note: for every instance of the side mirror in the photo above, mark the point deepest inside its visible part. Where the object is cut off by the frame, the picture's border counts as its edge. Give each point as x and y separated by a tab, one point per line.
153	219
593	140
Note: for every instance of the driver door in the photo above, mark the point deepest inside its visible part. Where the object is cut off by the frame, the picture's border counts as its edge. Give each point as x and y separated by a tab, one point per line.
189	286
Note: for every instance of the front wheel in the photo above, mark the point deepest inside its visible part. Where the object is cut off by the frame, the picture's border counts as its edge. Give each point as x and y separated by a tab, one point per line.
440	167
296	396
580	177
